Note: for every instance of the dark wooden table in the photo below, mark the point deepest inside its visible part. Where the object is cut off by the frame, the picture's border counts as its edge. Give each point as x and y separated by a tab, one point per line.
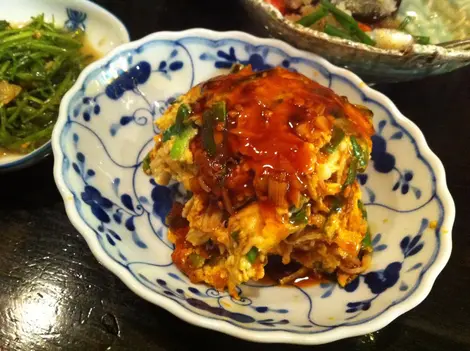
54	294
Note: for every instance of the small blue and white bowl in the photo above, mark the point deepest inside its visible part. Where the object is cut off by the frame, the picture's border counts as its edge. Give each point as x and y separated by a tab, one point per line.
105	129
104	33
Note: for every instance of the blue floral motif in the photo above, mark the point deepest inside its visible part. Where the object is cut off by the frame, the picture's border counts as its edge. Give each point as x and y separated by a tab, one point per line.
403	183
194	297
227	59
352	286
162	198
76	20
376	246
329	288
170	65
129	80
264	309
381	280
411	247
141	116
88	108
126	81
362	179
127	211
403	286
384	162
271	322
98	203
358	306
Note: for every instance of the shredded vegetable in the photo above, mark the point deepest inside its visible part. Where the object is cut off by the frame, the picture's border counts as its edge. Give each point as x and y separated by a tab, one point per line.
38	64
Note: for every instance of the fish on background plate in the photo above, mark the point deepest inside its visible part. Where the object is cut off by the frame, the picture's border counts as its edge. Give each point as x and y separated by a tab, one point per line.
143	98
382	41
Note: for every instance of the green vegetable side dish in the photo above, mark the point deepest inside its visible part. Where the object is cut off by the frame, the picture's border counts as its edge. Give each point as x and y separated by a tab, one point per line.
38	64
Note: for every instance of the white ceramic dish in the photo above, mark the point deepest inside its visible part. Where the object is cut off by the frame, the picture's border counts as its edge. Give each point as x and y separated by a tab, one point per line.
105	129
105	32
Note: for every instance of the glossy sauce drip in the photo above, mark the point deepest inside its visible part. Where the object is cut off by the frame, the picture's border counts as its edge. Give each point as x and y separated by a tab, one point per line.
269	107
309	280
264	110
276	270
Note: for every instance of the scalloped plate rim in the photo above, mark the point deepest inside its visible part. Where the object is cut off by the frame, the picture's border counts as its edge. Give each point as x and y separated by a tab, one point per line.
386	317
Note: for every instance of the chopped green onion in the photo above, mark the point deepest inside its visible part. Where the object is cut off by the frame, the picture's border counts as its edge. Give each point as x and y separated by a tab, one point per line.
196	261
359	154
336	207
363	37
367	242
336	138
300	217
405	22
181	143
336	32
181	116
235	235
219	110
421	39
167	134
146	163
208	135
348	22
209	118
362	208
312	18
252	254
352	171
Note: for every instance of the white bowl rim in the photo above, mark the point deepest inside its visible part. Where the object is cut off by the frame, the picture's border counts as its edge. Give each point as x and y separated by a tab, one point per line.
386	317
43	150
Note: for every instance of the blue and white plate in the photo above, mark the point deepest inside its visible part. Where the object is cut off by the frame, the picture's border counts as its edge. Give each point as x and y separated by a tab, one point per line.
104	33
106	127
